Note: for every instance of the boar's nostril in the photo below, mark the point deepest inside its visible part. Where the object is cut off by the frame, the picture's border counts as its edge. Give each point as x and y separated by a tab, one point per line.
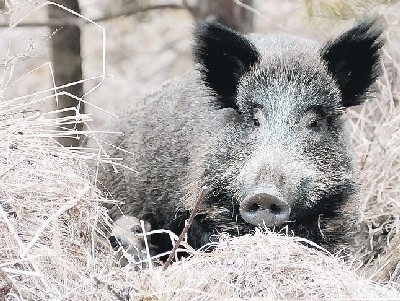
275	209
264	209
253	207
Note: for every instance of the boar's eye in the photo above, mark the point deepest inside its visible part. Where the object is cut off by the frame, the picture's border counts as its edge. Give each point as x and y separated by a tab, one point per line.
316	124
256	121
315	119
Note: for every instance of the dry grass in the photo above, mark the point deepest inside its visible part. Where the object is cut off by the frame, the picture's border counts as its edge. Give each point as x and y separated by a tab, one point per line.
52	223
50	209
376	137
343	9
264	265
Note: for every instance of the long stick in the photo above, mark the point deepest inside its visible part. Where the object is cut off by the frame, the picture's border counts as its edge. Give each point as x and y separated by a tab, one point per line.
203	193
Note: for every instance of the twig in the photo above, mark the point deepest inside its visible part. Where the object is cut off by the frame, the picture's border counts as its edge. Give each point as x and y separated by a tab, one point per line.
139	10
79	21
146	243
5	277
5	289
204	191
46	223
109	287
249	8
192	11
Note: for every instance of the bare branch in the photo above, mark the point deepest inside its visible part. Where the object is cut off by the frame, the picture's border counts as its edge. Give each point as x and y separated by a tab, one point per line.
190	9
139	10
249	8
79	22
203	193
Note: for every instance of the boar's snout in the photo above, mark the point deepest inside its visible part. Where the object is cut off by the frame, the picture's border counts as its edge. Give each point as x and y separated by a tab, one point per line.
264	208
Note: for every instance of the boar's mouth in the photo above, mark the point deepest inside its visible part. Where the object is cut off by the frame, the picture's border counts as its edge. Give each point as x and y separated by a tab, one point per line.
224	211
327	205
239	215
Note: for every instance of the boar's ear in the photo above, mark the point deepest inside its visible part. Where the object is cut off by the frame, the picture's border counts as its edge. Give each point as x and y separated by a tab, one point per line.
353	59
224	56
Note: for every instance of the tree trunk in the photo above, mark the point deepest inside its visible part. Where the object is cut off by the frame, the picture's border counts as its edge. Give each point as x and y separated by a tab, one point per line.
67	64
227	12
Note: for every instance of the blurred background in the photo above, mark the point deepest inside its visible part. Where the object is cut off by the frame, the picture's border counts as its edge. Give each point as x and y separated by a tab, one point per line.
107	53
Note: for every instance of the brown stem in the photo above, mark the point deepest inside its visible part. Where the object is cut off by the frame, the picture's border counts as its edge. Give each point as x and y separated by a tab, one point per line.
203	193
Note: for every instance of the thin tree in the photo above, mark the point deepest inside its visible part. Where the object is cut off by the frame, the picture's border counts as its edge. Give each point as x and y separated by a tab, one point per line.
67	62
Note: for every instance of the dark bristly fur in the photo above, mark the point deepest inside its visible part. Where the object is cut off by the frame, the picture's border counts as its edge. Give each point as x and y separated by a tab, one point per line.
223	61
353	60
258	111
